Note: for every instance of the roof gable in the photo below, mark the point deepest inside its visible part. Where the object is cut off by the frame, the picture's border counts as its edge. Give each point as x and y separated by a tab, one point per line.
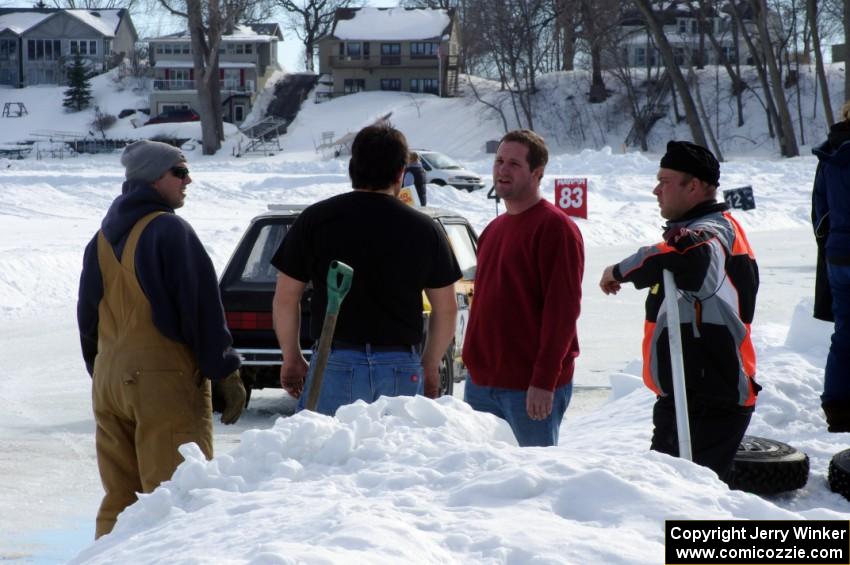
105	22
21	20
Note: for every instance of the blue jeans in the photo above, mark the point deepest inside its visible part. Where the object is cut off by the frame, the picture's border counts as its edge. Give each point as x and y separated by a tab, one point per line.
836	385
365	375
509	405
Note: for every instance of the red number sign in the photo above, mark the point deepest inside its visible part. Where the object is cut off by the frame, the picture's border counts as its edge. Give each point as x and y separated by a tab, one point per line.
571	196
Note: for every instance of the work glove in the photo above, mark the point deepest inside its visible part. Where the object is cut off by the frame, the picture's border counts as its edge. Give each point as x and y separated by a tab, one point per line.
233	391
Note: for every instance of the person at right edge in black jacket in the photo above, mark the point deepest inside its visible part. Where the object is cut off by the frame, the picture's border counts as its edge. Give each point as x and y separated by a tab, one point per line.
717	278
831	220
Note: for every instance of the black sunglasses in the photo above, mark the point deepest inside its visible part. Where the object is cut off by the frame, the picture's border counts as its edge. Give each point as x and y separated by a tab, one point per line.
180	172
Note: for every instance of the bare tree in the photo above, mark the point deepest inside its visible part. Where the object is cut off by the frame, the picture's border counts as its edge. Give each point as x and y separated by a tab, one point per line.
738	84
311	20
599	19
787	141
208	20
567	32
92	4
512	30
655	28
846	19
495	107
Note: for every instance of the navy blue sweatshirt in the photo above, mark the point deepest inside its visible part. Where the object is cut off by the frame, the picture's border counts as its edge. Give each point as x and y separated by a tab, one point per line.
175	273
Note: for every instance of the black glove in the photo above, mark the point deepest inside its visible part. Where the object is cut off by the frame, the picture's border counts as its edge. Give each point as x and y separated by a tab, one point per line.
233	391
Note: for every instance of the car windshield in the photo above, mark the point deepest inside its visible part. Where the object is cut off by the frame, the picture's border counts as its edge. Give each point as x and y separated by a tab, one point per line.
440	161
464	249
258	268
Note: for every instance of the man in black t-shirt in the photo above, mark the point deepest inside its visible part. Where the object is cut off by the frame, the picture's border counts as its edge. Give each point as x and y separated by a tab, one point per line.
396	253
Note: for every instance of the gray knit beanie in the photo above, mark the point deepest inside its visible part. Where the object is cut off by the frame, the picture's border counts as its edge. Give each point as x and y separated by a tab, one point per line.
148	160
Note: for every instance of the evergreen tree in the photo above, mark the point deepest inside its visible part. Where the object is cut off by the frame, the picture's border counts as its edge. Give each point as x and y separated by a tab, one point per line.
78	95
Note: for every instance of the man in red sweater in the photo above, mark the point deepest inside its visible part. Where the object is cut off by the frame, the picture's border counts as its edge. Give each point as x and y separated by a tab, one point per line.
521	343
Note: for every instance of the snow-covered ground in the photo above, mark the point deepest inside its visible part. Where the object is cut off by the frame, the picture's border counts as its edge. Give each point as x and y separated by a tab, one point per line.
403	480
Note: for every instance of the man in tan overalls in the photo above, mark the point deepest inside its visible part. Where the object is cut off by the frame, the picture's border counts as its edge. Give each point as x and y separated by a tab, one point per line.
152	331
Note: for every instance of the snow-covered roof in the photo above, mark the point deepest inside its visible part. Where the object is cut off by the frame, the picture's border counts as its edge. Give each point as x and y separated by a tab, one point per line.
257	34
396	24
188	64
19	22
104	21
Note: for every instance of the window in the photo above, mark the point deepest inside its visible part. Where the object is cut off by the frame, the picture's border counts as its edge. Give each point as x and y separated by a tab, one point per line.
8	48
239	113
231	79
391	84
85	46
427	85
423	49
430	86
682	24
640	56
679	55
464	248
44	50
236	48
390	53
258	267
107	46
352	50
163	108
352	85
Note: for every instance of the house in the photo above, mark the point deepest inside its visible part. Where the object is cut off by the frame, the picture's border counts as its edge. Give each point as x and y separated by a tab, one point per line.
687	35
247	57
401	49
37	44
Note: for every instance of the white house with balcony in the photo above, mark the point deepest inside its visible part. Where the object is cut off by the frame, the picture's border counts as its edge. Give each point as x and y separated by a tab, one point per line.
247	59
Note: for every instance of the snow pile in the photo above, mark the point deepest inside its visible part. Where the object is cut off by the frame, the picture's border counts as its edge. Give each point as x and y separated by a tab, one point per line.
414	481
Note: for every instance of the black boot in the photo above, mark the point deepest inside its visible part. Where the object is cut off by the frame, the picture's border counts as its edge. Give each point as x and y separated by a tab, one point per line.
837	415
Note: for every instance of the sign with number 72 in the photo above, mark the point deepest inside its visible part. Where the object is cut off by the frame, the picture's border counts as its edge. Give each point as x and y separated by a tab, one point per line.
571	196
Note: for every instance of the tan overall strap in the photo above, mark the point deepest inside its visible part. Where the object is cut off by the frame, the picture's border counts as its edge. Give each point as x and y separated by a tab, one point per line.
128	257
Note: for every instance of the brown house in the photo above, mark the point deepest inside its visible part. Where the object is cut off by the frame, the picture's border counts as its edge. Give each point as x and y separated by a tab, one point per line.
396	49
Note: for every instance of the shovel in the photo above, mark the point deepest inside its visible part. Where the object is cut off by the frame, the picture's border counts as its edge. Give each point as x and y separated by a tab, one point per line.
339	282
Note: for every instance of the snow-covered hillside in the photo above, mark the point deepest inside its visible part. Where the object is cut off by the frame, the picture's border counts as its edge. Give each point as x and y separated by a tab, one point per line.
461	126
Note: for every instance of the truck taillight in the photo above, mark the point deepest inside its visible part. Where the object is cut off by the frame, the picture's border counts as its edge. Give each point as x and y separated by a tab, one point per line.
249	320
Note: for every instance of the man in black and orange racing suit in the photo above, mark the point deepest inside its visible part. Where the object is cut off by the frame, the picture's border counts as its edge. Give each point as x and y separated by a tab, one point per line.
717	278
